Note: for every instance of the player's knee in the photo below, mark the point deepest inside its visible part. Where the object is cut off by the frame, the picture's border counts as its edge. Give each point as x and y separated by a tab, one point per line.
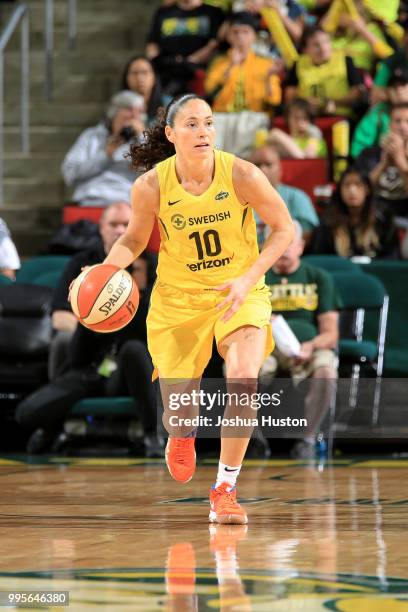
239	371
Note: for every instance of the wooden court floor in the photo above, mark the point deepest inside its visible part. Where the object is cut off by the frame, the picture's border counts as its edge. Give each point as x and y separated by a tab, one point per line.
119	534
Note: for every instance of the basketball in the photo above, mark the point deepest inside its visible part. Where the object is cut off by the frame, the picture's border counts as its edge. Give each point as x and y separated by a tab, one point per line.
104	298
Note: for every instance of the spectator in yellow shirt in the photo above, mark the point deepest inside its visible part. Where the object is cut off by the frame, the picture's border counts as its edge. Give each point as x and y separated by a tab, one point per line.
241	80
327	78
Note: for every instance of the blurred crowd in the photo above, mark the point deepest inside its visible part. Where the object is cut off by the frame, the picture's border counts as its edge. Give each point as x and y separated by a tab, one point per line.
314	92
288	81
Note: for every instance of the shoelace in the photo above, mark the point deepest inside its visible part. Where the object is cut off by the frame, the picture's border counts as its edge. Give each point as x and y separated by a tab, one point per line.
180	450
227	501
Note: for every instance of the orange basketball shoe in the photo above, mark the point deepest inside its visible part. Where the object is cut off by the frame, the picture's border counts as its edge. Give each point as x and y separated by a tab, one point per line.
224	508
181	458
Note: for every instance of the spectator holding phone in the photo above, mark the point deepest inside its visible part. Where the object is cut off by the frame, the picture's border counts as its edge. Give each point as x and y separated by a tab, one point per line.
96	166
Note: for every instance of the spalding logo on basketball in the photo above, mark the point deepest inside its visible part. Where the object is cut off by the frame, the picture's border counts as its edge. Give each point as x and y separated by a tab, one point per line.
104	298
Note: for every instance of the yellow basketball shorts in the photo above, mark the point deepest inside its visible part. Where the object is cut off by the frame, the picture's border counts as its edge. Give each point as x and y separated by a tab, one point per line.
181	326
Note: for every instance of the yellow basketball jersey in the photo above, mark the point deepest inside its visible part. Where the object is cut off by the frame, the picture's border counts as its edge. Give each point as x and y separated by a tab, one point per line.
206	239
328	80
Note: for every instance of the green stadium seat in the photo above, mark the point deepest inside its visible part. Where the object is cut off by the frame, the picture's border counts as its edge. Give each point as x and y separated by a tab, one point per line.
104	406
332	263
99	417
394	276
48	279
36	266
354	350
362	293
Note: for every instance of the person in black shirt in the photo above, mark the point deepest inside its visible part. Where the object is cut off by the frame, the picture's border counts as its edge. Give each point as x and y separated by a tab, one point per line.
181	40
100	364
140	77
352	226
76	354
112	225
387	165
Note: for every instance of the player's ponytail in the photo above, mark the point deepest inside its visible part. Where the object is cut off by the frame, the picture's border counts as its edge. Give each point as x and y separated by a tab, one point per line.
156	146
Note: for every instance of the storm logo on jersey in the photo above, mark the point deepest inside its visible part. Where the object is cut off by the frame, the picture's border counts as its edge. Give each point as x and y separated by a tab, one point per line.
222	195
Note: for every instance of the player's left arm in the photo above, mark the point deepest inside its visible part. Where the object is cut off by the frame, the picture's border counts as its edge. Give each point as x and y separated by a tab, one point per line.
252	187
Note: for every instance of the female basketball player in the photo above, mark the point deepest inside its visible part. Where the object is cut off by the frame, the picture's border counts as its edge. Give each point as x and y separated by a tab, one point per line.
210	275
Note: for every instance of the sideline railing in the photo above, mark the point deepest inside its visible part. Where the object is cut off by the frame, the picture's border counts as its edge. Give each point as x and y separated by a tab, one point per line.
20	16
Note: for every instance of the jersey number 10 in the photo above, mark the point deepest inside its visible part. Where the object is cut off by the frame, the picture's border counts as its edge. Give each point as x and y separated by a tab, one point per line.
210	240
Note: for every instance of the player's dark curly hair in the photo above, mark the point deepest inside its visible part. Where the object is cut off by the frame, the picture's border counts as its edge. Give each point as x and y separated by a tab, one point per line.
156	147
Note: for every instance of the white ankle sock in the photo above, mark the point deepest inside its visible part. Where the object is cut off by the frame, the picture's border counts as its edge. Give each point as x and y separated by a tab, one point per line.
227	473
